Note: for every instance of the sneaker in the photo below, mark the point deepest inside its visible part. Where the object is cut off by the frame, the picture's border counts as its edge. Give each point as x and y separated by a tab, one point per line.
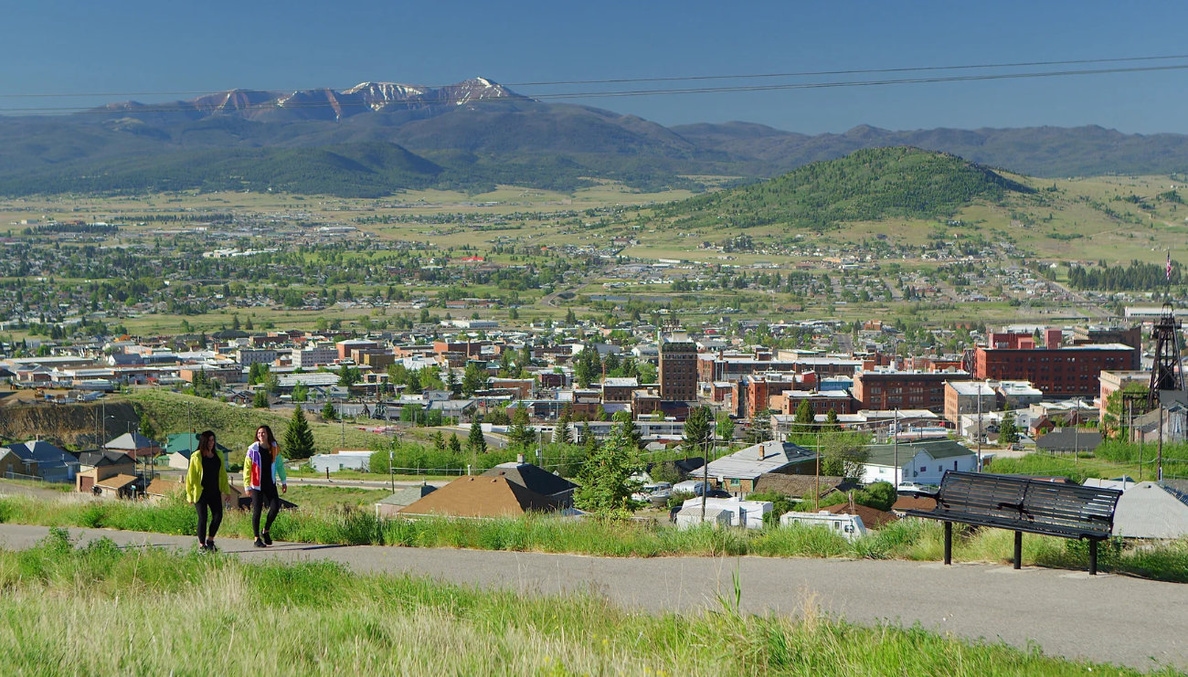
259	543
210	547
202	546
267	539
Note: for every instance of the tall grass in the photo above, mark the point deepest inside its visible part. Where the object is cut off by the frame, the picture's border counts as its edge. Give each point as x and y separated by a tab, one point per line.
911	539
100	610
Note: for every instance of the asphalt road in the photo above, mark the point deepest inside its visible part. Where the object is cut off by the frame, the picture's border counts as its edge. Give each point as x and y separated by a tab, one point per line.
1105	618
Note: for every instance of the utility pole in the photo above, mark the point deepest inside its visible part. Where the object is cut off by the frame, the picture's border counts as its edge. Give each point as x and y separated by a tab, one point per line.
979	396
817	479
391	475
705	452
1077	433
895	446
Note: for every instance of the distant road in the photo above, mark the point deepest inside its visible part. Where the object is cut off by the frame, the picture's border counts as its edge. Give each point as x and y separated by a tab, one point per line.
1103	618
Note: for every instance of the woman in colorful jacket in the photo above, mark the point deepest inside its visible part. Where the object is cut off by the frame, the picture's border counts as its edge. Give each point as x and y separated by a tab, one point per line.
263	468
206	485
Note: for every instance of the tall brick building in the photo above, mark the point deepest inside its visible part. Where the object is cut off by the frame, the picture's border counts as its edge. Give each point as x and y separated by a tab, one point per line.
678	369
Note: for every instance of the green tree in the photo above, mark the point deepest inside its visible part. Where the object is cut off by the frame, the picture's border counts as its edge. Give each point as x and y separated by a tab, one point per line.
519	433
300	392
760	428
844	454
260	399
647	372
474	378
328	412
454	446
475	442
725	427
805	418
630	430
561	432
831	422
348	376
1008	432
257	373
699	432
299	439
605	480
439	443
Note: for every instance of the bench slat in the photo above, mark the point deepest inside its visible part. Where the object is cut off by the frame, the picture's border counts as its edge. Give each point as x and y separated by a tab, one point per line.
1023	504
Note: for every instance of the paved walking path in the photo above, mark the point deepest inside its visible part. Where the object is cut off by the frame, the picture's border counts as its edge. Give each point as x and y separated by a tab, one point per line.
1107	618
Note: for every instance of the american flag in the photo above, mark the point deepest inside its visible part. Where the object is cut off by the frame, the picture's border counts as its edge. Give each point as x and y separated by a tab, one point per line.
1169	265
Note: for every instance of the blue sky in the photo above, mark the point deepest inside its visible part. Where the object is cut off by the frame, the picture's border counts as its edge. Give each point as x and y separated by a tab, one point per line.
159	51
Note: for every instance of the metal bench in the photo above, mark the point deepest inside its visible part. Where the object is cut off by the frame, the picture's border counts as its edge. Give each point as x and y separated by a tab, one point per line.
1021	504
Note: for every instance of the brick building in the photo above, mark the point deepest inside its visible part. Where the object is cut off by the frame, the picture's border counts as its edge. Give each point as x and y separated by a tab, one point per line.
889	390
1070	371
678	369
969	397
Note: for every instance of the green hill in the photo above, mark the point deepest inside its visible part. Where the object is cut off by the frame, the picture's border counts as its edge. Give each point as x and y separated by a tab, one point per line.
868	185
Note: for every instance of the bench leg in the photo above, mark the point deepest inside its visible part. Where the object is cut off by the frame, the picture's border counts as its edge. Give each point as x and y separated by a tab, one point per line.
1093	558
948	542
1018	549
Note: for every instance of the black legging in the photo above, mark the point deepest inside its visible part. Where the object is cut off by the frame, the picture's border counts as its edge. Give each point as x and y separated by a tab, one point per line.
215	503
259	498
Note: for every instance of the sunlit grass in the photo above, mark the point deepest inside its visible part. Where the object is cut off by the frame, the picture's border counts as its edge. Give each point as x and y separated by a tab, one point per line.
165	613
912	539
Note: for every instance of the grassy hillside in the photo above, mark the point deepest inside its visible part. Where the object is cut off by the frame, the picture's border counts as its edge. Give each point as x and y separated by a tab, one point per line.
352	170
202	603
868	185
235	426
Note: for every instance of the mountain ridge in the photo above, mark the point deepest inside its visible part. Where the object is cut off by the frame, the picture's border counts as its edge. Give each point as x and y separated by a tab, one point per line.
477	133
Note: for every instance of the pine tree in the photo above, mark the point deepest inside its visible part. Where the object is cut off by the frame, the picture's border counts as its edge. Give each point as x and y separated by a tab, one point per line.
699	432
299	439
804	417
561	433
473	379
605	479
454	445
519	434
628	428
760	428
475	442
1008	431
328	412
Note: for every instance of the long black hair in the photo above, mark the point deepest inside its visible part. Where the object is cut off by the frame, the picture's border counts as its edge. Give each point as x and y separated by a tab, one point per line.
203	437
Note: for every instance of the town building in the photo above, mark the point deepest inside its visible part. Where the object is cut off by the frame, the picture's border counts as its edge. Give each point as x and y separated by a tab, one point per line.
1071	371
678	369
968	397
890	390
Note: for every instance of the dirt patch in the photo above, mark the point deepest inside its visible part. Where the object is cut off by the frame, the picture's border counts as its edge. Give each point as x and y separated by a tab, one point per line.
76	426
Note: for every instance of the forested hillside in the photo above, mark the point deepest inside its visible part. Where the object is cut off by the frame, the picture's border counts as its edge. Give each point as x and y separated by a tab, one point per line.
868	185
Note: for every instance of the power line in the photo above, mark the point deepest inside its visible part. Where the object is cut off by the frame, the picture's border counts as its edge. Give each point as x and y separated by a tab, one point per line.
169	107
854	71
681	78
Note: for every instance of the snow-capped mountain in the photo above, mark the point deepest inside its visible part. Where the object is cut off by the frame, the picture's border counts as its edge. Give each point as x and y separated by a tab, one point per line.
327	104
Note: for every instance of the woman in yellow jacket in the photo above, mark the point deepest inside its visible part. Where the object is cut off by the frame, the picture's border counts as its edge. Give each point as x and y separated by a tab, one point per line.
206	485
